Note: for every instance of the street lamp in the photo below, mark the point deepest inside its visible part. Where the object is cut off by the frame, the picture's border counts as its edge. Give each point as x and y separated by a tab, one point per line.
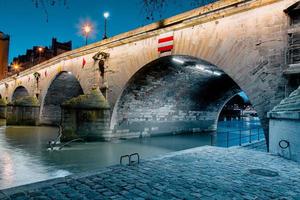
86	30
106	16
16	68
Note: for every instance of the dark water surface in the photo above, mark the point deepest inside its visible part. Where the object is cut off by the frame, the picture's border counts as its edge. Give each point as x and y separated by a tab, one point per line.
24	157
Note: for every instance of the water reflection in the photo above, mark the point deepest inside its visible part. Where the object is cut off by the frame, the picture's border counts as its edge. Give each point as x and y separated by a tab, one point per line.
19	151
24	157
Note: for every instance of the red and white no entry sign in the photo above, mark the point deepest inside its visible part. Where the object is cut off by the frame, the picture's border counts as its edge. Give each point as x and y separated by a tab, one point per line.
166	42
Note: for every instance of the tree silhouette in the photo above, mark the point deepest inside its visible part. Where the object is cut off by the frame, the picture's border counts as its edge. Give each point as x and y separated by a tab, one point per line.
156	7
151	8
44	3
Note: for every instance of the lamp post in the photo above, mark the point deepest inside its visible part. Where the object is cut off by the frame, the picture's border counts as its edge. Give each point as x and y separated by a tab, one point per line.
40	50
86	30
16	68
106	16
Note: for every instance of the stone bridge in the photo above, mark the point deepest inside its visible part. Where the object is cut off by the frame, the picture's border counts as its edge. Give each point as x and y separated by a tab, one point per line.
216	51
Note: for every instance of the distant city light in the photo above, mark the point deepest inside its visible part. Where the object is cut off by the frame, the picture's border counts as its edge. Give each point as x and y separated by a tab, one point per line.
178	60
40	49
16	66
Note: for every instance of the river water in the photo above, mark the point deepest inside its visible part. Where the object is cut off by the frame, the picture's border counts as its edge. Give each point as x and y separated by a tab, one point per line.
24	157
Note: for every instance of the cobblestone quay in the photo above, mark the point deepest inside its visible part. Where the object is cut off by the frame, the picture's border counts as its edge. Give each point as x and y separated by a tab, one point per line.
200	173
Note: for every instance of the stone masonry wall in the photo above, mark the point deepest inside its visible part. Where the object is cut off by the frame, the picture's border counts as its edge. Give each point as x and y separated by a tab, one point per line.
23	115
90	125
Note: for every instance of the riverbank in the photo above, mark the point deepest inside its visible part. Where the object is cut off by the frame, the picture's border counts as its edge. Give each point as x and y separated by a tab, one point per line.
204	172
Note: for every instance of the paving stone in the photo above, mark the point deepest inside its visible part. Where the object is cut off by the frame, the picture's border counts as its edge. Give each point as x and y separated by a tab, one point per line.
2	196
41	198
34	193
108	193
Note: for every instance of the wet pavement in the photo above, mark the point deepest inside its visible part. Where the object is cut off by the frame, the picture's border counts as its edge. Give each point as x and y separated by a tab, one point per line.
199	173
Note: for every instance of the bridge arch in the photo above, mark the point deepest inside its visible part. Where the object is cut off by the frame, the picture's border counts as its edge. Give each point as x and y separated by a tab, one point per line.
172	94
19	92
235	94
62	87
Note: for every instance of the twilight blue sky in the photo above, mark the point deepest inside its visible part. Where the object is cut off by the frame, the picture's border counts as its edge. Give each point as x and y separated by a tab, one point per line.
27	24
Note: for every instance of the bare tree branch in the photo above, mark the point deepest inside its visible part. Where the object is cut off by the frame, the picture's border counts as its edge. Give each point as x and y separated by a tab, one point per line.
44	3
151	8
155	8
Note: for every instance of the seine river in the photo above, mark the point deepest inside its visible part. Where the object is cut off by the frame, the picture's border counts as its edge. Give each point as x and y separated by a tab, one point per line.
24	157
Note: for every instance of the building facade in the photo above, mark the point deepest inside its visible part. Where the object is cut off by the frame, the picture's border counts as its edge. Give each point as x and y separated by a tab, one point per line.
4	49
38	54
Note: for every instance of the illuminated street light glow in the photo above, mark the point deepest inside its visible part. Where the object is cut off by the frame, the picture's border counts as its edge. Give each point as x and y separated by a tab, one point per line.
87	28
16	66
208	71
200	67
178	60
204	69
217	73
106	15
40	50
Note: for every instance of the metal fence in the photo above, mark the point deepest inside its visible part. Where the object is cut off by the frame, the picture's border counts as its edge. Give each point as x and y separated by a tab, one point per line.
237	137
293	54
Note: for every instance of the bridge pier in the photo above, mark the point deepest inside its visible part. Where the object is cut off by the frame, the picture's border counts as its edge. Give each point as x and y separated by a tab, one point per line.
284	127
3	111
23	111
87	117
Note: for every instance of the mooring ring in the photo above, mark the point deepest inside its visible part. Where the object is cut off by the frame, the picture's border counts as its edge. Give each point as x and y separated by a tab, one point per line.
284	144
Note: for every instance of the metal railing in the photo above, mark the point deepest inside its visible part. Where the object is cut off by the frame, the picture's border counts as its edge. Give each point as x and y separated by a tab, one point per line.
130	159
293	54
237	137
